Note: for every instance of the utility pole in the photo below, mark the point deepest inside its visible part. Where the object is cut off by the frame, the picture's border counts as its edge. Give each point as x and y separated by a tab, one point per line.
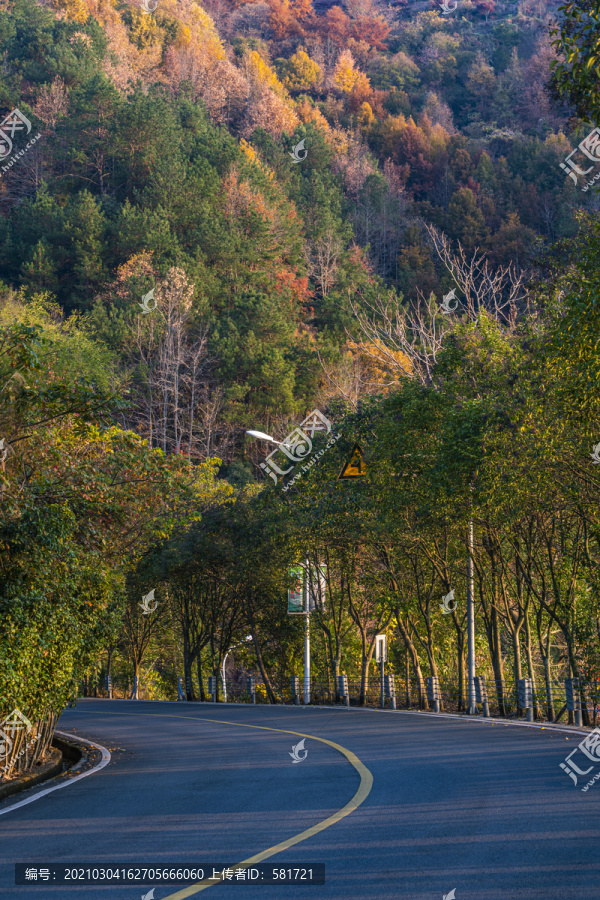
471	624
306	635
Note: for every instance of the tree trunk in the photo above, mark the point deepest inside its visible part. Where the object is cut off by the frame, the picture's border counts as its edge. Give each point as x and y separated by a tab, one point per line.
200	682
537	712
423	703
261	666
188	659
136	679
550	711
460	653
497	662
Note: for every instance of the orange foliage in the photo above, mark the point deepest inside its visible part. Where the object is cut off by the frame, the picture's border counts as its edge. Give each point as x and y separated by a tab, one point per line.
303	11
369	31
359	258
372	31
308	113
282	20
376	103
337	26
361	93
296	284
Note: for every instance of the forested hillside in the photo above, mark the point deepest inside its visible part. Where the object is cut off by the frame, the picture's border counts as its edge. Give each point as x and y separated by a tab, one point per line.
216	217
164	162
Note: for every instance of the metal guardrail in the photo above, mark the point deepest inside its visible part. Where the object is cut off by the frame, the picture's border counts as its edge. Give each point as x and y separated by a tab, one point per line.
501	699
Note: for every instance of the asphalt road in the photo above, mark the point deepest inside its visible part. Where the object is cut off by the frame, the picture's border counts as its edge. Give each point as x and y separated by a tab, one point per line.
454	804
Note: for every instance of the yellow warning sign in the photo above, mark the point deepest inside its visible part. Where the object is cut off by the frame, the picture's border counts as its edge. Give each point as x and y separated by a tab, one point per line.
355	467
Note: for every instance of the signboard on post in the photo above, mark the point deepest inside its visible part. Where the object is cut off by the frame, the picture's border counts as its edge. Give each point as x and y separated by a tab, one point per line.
296	593
316	590
381	648
355	467
212	687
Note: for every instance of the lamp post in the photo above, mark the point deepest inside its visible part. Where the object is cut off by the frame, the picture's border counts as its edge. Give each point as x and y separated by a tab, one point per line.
247	638
306	637
471	625
261	436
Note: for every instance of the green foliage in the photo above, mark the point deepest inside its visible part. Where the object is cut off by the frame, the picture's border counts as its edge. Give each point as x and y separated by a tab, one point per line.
575	74
258	264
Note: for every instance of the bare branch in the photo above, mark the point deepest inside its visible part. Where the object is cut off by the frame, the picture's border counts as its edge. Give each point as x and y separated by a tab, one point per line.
408	339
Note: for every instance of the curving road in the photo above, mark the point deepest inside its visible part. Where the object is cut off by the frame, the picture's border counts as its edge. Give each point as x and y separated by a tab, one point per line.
397	805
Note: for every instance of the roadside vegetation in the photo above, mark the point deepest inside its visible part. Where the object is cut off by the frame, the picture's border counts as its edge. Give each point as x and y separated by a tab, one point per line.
171	277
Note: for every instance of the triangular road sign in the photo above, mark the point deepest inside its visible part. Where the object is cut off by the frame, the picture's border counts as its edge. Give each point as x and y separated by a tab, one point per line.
355	467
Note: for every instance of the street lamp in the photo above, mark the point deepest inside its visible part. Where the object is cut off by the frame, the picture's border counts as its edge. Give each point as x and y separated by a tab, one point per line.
306	635
267	437
471	624
247	638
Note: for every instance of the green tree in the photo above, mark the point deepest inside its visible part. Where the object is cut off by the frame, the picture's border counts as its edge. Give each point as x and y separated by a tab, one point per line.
465	220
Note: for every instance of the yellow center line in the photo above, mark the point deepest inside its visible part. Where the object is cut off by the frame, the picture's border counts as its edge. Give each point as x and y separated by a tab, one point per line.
364	788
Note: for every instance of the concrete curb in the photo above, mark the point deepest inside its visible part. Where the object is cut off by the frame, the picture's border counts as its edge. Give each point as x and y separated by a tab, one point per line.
72	743
50	768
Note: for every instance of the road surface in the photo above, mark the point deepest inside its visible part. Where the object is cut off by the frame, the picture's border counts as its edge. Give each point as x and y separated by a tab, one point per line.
419	805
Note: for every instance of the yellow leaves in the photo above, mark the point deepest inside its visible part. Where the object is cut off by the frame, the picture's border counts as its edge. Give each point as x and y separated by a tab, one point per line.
361	85
184	36
383	365
76	10
252	156
263	74
248	150
339	141
271	107
205	33
365	116
302	73
345	74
